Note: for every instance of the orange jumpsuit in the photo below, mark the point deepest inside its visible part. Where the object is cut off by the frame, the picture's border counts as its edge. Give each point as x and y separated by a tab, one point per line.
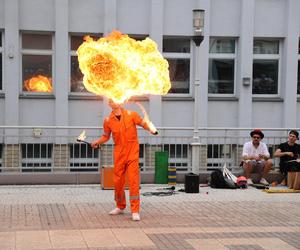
126	155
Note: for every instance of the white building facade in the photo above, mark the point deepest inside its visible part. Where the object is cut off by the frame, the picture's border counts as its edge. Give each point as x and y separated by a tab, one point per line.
249	60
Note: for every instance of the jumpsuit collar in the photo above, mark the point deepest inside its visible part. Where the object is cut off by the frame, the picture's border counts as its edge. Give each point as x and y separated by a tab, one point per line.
113	116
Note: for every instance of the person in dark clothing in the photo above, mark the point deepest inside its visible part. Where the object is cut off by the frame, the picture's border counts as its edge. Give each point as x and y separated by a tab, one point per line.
289	153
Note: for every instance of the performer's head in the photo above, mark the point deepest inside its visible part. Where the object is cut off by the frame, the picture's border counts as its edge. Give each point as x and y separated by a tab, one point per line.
113	105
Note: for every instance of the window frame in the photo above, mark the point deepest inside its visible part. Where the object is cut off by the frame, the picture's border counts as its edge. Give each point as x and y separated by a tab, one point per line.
227	56
2	55
181	55
268	57
27	160
38	52
298	67
73	53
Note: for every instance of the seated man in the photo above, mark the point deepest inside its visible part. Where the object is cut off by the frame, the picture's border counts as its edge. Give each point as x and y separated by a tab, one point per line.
256	157
289	152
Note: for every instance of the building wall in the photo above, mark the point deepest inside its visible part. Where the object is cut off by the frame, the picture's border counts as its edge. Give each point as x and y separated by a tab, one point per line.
241	19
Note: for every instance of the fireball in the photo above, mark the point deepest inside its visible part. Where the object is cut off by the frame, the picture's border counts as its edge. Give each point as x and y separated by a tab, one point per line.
120	67
38	83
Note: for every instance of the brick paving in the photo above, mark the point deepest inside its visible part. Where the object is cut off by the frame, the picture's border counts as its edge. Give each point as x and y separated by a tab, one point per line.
76	217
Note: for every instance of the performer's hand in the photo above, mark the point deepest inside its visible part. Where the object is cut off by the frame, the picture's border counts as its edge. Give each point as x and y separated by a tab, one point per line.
95	144
291	154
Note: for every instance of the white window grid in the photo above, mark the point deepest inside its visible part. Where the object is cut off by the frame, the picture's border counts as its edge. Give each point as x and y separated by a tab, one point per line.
228	56
271	57
39	52
181	55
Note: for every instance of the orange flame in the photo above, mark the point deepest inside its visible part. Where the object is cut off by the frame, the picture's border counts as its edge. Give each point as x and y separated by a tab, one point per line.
82	136
146	118
38	83
120	67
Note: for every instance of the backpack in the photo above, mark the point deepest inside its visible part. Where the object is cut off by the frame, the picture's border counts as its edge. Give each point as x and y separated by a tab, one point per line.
219	181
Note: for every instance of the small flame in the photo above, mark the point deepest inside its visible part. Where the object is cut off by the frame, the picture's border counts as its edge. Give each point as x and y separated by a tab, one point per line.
120	67
146	119
38	83
82	136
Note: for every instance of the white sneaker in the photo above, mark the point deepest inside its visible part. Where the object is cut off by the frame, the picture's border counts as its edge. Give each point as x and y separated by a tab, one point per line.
263	181
116	211
249	181
136	216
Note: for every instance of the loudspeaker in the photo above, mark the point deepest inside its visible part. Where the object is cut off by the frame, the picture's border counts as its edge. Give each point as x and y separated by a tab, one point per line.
191	183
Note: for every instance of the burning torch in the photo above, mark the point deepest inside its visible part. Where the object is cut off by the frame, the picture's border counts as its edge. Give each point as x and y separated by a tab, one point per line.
81	138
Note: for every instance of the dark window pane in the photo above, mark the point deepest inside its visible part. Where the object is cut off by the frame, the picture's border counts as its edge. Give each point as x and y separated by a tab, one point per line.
221	76
0	71
265	47
179	45
221	45
37	73
299	47
83	151
36	150
298	85
36	41
218	151
76	76
265	77
138	37
0	40
76	41
176	150
179	75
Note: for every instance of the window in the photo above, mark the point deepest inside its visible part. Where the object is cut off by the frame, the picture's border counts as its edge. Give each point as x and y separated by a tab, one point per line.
1	63
177	53
1	147
179	155
221	72
37	63
218	154
76	78
36	157
298	82
265	67
83	158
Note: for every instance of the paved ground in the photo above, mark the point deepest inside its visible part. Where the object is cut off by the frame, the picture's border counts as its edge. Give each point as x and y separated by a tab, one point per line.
76	217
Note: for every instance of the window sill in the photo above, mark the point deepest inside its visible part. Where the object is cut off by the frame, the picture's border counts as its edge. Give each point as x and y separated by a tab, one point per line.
36	96
83	96
267	99
177	98
223	98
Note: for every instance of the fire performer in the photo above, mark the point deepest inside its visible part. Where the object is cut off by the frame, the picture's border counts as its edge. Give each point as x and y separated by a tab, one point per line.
119	67
122	124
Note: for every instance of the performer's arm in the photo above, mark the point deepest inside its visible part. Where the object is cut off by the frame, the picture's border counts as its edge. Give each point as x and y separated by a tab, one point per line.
105	136
139	121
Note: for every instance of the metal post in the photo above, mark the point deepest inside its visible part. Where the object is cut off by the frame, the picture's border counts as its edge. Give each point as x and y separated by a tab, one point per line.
196	140
198	23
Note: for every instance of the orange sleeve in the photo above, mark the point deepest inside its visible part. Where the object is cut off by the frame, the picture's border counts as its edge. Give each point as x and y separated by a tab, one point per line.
139	121
106	132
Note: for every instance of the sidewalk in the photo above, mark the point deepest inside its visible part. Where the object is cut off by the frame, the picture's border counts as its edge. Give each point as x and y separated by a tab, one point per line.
76	217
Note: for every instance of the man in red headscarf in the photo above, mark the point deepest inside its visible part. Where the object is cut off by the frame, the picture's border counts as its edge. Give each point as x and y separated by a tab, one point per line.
122	125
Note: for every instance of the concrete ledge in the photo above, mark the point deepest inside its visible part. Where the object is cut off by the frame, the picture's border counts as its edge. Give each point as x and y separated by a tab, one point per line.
93	178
